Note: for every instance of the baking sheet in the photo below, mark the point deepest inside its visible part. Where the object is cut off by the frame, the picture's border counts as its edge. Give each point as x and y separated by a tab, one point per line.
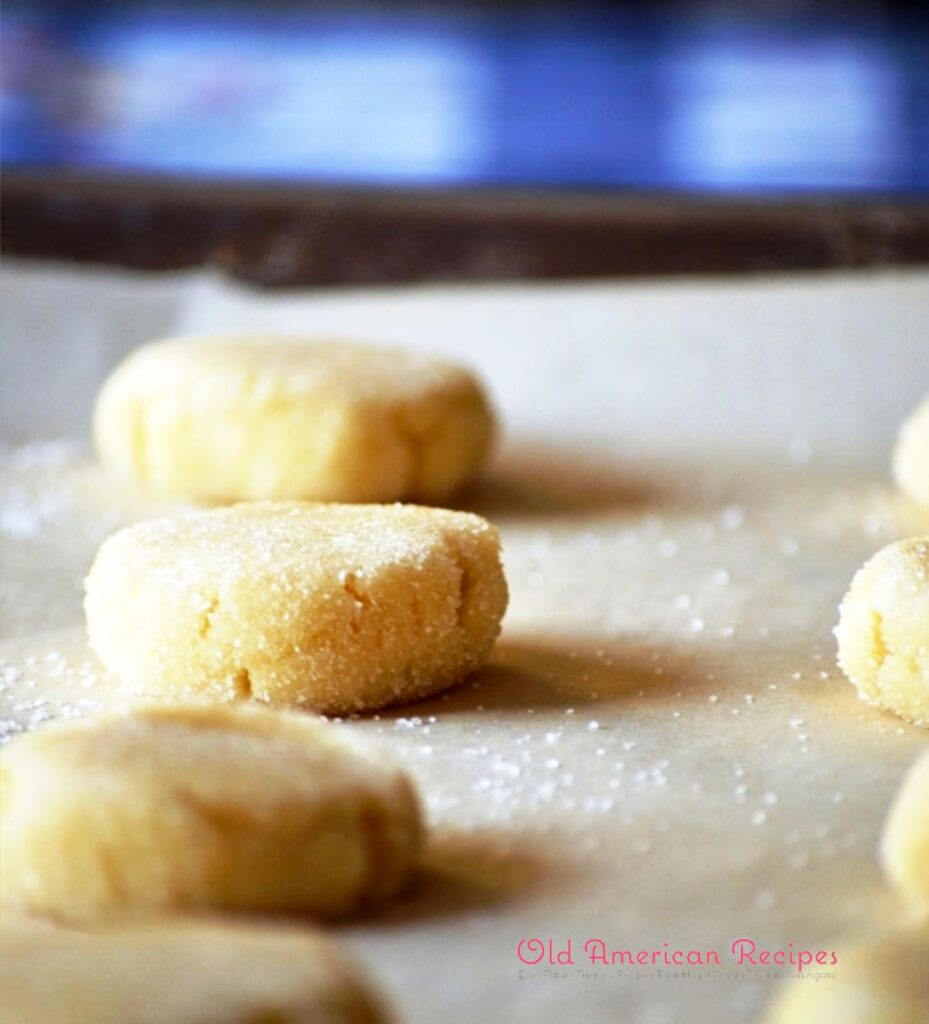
661	749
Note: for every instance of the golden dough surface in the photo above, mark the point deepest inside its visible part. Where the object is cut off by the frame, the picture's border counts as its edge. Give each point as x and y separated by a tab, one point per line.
905	843
177	974
883	630
258	417
178	807
884	981
911	456
337	608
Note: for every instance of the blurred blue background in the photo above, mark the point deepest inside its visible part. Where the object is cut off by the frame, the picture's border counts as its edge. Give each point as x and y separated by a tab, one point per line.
749	98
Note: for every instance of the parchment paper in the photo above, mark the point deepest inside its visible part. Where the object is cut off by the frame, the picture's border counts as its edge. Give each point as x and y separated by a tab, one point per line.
661	749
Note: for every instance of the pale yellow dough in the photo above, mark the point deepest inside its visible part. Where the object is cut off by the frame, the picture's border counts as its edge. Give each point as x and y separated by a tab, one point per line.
885	981
337	608
905	844
911	456
199	974
883	630
252	417
196	806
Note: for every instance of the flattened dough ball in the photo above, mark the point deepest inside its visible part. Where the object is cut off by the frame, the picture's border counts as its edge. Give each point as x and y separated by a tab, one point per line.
181	975
884	981
337	608
196	806
905	843
883	630
911	456
254	417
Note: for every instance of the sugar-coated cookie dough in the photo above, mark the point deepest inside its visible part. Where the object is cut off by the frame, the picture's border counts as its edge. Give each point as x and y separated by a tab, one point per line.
197	974
885	981
911	456
196	806
337	608
883	630
251	417
905	844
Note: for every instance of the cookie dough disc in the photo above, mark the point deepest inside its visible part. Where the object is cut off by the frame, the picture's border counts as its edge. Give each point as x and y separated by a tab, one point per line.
911	456
883	630
252	417
198	806
181	975
885	981
905	845
337	608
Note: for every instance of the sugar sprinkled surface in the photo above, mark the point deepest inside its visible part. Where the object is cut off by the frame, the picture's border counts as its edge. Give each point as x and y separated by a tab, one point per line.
661	687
